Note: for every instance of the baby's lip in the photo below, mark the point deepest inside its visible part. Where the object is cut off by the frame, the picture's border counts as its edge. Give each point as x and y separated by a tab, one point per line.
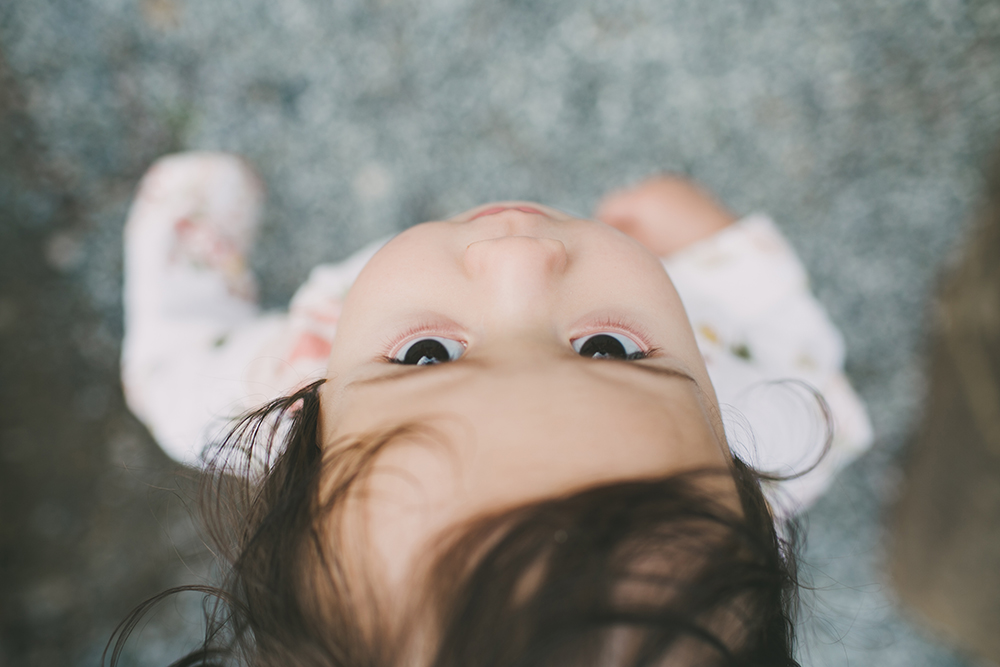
500	209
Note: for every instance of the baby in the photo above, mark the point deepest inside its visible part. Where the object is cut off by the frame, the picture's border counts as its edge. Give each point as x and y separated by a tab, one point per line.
494	439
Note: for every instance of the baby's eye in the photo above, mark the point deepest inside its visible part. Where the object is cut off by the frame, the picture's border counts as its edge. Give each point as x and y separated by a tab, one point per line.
432	350
607	345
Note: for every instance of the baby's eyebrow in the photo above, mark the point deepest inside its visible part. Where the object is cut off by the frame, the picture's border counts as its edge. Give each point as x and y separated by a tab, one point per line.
658	370
406	371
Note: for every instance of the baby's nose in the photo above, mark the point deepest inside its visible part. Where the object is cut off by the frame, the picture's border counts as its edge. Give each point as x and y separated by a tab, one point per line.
519	274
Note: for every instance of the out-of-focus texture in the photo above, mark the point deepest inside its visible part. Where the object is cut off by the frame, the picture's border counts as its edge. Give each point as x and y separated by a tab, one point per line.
92	516
946	546
860	125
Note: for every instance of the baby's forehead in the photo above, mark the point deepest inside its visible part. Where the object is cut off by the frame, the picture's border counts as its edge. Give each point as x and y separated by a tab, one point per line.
476	385
591	425
447	467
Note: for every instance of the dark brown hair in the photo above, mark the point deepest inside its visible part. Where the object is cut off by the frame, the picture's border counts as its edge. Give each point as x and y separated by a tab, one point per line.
633	573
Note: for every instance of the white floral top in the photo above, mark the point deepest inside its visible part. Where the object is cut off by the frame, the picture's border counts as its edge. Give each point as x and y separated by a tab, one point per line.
763	335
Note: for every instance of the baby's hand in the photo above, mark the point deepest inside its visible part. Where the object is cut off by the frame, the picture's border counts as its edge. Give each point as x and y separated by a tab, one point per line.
664	213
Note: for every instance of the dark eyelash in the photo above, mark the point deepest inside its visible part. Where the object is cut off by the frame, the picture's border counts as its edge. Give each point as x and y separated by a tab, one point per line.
606	322
635	356
393	360
642	354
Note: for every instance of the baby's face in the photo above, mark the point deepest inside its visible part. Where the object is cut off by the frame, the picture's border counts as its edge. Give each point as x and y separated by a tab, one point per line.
497	315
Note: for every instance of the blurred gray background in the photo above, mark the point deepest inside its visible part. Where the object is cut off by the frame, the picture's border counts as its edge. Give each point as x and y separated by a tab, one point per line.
862	126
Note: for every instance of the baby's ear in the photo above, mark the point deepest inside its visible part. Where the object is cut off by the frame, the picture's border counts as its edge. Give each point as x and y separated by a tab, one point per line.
664	213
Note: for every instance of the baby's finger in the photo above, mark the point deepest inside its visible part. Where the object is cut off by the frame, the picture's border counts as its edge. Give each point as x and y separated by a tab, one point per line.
617	209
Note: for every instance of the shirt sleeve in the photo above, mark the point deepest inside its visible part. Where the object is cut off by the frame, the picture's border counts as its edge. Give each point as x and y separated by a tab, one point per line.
296	354
775	359
190	370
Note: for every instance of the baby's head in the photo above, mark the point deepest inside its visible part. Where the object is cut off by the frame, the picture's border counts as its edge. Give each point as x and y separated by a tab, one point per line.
552	354
516	457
